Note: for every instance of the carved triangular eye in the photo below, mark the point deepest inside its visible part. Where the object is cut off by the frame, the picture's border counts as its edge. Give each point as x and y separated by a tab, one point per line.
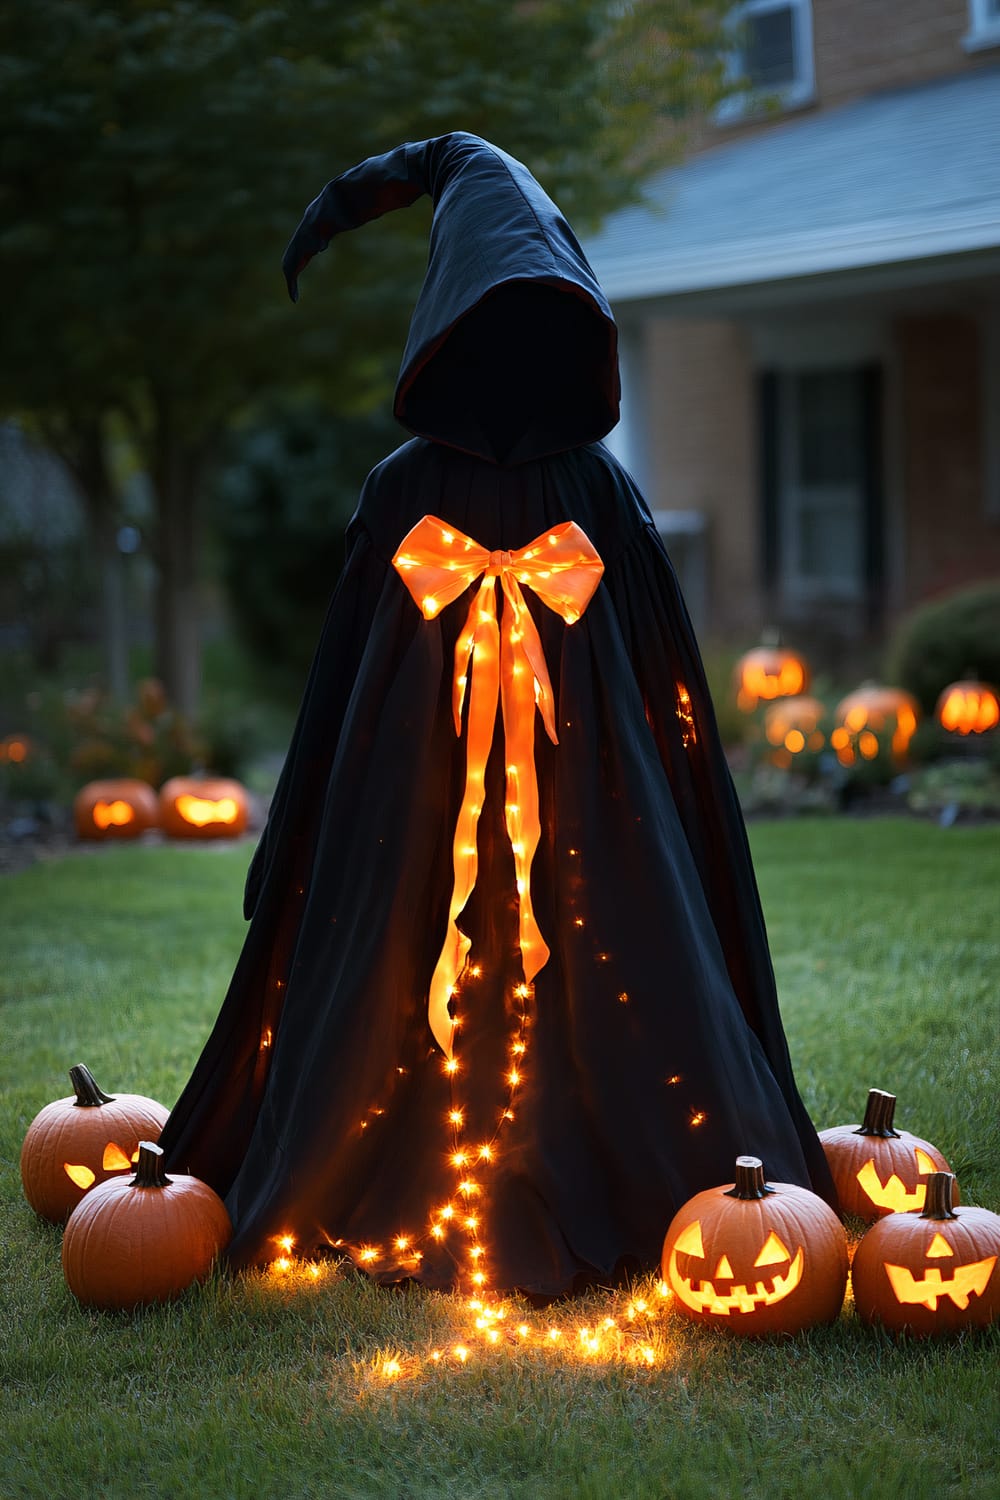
689	1241
115	1159
939	1247
82	1176
924	1162
724	1270
773	1251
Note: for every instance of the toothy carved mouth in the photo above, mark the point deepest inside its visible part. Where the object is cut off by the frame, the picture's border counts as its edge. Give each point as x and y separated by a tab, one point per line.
703	1297
967	1279
893	1193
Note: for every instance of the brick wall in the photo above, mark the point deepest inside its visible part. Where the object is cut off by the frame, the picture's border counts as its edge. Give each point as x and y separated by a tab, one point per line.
702	455
863	46
949	540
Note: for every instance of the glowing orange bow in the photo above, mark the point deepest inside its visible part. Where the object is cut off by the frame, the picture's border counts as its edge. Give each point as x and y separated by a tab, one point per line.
437	564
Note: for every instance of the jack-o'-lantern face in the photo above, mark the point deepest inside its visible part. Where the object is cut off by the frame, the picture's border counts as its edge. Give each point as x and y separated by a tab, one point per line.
893	1193
774	1275
203	807
930	1273
958	1282
876	1168
121	809
113	1159
769	672
74	1144
756	1258
969	708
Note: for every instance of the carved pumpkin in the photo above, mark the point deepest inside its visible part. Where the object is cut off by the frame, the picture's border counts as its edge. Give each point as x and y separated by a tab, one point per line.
791	725
934	1272
769	672
201	807
119	809
145	1239
756	1258
878	1170
968	708
77	1142
874	719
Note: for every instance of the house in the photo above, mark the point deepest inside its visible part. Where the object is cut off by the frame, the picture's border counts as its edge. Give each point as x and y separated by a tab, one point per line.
809	310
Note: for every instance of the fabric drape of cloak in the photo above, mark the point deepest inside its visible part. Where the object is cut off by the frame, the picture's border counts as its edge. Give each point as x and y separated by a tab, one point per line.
653	1051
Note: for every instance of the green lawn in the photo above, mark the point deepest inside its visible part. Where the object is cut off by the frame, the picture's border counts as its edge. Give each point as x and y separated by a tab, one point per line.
887	948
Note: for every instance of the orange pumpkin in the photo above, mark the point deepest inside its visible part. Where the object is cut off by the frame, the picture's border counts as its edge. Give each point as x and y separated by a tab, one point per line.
15	749
933	1272
77	1142
874	719
791	725
145	1239
202	807
878	1170
968	708
119	809
756	1258
769	672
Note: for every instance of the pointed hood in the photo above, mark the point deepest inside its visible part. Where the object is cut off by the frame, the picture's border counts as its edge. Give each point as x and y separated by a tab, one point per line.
512	349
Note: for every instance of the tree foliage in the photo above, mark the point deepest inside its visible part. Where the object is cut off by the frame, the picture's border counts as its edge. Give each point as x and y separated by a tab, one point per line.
156	154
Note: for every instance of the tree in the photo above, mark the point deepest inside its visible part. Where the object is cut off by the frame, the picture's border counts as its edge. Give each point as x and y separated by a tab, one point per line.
155	156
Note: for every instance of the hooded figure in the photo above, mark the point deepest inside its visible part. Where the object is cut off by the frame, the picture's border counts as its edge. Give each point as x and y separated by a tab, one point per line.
505	1000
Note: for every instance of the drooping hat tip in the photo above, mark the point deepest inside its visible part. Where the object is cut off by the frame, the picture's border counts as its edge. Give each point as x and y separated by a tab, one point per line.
512	346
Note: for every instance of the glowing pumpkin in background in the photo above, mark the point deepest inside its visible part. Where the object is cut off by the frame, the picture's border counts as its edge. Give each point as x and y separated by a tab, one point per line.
876	1169
755	1257
791	726
933	1272
82	1140
968	708
143	1239
769	672
874	719
119	809
15	749
202	807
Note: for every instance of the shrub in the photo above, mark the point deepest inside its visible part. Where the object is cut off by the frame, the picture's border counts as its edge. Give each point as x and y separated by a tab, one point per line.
945	640
281	504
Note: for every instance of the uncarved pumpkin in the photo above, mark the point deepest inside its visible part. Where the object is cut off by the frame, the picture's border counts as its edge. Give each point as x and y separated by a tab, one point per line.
119	809
144	1239
877	1169
203	807
755	1257
77	1142
930	1273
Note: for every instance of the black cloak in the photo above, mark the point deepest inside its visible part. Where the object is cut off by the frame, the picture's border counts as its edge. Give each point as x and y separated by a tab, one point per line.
582	1108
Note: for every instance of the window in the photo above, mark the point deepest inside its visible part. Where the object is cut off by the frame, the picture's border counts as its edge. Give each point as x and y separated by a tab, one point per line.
822	471
773	57
984	25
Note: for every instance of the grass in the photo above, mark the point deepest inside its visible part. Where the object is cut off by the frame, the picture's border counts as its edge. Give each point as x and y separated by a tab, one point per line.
886	947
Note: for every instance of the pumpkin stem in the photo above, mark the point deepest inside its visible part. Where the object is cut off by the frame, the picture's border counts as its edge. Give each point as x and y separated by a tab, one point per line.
149	1172
878	1115
86	1090
937	1204
749	1180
